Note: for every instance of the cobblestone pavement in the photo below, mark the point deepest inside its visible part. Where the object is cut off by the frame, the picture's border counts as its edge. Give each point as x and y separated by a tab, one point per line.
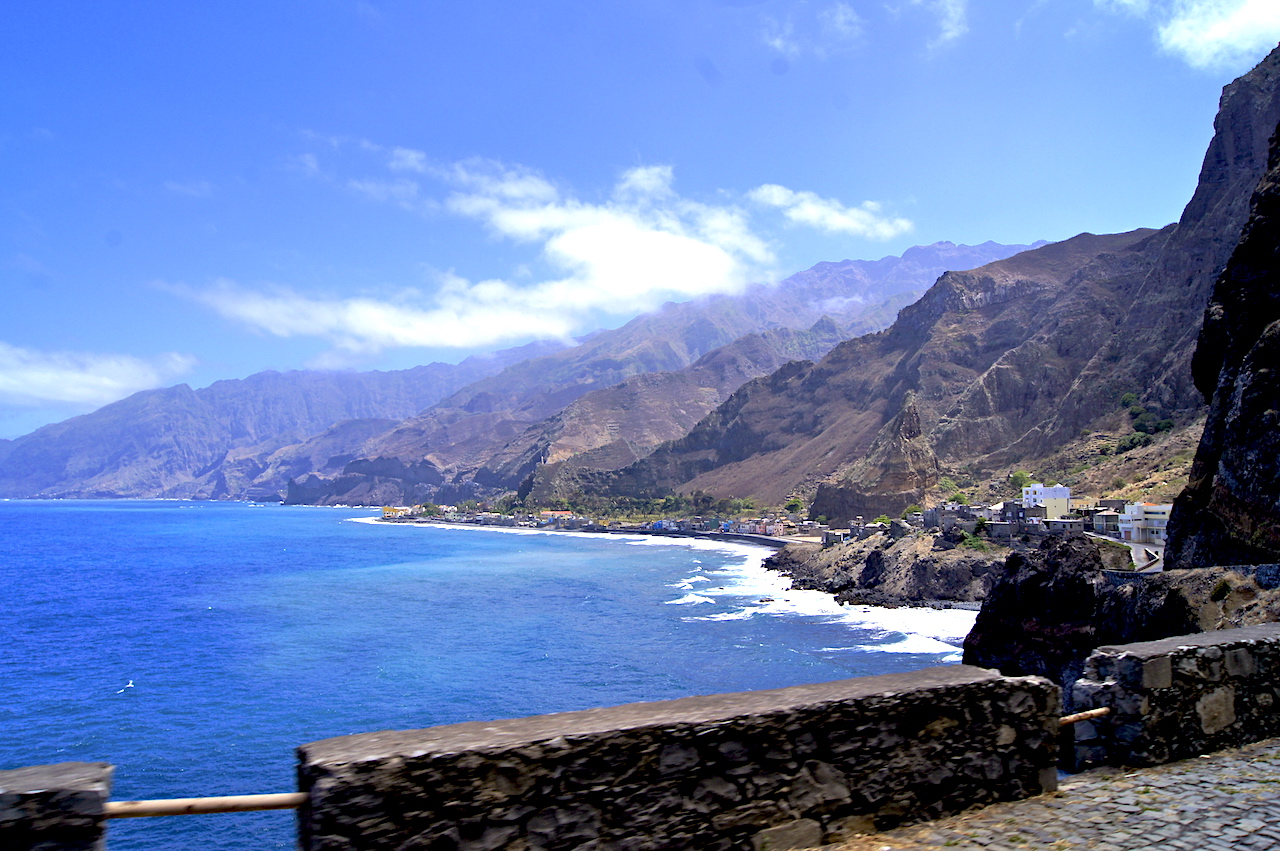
1228	800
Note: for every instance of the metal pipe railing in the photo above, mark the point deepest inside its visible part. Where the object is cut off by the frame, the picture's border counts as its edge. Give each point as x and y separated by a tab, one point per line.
199	806
1084	716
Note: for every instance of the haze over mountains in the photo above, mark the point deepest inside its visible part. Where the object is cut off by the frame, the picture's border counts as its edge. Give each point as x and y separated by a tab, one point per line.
248	438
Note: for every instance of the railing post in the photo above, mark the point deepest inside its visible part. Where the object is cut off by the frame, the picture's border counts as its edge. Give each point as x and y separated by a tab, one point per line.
57	807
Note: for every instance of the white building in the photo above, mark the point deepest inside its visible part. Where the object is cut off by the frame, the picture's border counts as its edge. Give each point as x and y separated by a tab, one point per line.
1056	499
1145	523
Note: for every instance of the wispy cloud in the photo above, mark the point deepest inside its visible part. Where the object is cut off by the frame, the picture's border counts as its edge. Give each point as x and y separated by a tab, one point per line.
1208	33
643	244
829	30
829	215
30	377
952	17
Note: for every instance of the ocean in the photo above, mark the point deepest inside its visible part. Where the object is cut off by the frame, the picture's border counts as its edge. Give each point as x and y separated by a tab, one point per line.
194	645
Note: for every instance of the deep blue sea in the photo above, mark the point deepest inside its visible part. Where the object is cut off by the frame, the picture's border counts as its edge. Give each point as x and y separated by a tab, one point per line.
194	645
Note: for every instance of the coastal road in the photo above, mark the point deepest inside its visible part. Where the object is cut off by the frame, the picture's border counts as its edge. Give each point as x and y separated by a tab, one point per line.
1217	802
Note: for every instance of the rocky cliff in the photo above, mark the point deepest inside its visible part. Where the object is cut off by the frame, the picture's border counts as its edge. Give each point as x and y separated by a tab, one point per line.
994	368
894	569
972	368
1049	608
1230	510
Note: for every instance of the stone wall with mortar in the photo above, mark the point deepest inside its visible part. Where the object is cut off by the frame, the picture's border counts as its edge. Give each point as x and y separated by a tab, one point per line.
54	807
785	768
1179	697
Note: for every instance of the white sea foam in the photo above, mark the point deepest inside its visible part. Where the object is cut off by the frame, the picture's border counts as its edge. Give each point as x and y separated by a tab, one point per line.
690	599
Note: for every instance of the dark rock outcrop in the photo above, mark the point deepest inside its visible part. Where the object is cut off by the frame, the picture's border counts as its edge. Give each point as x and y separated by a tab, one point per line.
1053	606
1230	509
916	568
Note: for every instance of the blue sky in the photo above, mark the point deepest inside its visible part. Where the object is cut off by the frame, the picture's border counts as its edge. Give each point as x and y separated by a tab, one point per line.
191	192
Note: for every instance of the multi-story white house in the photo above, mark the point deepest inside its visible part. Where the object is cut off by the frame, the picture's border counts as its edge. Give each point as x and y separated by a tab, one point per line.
1145	522
1056	499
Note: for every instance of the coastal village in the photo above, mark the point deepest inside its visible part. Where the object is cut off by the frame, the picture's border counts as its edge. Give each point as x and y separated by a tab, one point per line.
1042	510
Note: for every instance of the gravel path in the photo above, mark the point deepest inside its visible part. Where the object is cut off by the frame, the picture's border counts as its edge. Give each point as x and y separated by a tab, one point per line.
1221	801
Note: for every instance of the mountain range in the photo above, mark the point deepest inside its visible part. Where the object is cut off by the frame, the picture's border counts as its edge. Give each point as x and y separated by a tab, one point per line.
860	386
249	438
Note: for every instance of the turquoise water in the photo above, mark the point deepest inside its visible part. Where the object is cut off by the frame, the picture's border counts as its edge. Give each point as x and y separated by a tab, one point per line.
194	645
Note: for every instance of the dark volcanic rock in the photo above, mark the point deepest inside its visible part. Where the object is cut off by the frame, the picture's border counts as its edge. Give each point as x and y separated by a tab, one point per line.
1053	606
884	570
1229	512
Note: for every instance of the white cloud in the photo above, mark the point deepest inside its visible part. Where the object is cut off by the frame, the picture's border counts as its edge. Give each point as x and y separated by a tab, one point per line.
829	30
1208	33
407	159
85	379
840	21
642	246
401	192
827	214
953	19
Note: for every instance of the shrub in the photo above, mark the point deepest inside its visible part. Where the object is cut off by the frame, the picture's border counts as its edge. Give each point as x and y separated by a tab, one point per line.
1133	441
909	510
1164	425
948	485
1145	422
1220	591
1128	400
1020	479
883	518
973	542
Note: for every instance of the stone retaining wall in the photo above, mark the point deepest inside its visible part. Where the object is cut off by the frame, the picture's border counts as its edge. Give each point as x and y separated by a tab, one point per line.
1179	697
54	807
775	769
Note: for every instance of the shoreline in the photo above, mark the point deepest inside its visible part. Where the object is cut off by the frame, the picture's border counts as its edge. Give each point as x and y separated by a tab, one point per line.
727	537
920	623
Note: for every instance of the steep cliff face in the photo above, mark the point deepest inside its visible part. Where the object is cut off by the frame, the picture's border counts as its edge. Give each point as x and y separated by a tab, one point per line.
998	345
1050	608
1151	352
1230	511
1002	365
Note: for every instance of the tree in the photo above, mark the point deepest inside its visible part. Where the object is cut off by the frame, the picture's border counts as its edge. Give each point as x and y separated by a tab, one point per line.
1020	479
794	505
1128	400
